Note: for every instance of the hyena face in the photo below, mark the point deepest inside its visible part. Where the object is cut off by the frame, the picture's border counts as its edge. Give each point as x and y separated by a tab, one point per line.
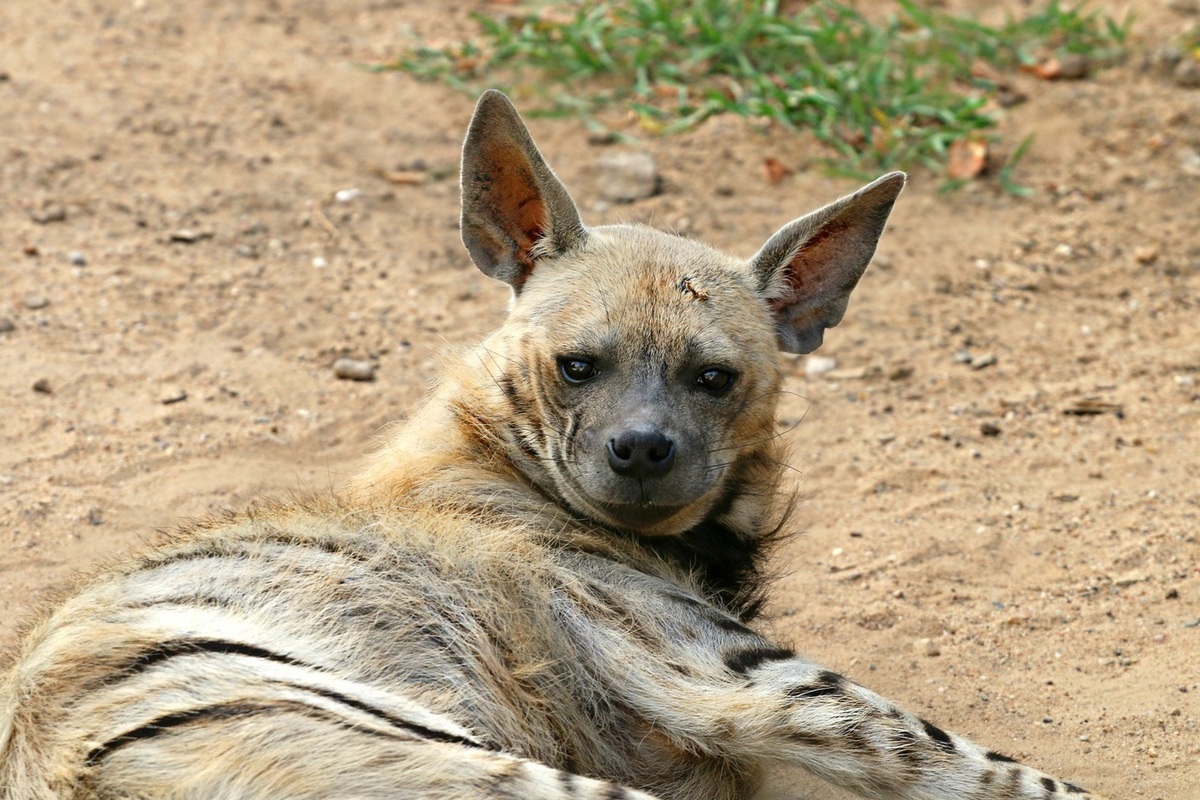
638	370
651	370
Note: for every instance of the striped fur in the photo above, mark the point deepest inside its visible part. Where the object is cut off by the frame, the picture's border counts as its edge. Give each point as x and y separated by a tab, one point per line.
498	606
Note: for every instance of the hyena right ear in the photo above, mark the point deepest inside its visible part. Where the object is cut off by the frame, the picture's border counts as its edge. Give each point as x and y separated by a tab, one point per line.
807	270
514	210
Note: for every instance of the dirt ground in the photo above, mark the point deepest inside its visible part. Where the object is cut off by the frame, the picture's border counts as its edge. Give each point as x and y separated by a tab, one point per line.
178	274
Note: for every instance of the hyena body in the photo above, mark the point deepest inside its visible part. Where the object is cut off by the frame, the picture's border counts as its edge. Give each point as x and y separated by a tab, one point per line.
541	586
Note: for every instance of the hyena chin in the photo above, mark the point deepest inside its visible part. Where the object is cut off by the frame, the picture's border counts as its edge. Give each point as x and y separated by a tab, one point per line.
542	585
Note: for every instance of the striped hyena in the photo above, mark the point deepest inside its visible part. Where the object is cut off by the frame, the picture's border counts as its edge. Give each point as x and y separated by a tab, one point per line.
541	587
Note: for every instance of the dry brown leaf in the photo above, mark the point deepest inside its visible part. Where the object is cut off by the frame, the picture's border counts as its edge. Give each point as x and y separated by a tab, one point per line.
775	170
1048	70
966	159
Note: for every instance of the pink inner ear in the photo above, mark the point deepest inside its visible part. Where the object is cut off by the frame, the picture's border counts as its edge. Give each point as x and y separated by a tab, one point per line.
520	208
807	276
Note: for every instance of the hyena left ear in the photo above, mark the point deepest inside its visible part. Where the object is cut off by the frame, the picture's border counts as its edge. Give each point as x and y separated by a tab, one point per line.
807	270
514	210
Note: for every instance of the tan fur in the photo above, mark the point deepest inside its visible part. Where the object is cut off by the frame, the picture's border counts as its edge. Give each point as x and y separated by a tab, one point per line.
540	587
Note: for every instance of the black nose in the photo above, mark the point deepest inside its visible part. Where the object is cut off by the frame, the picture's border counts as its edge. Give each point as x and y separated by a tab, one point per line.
642	452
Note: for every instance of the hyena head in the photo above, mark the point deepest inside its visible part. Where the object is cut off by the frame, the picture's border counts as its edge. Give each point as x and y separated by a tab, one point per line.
637	376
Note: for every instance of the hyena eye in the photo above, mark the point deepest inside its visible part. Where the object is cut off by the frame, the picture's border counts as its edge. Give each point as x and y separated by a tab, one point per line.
576	370
715	379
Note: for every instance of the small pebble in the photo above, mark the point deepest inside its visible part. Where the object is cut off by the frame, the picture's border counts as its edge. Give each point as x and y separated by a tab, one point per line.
1147	254
623	176
7	325
34	301
319	263
819	365
347	195
989	429
1074	67
927	647
983	361
1187	74
48	212
42	386
77	258
350	369
173	395
95	516
1192	623
963	356
188	236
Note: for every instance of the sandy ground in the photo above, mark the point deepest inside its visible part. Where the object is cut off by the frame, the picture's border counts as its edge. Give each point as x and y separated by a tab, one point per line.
178	276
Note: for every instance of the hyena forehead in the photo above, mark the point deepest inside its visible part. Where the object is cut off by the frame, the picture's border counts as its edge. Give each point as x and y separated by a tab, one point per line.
653	282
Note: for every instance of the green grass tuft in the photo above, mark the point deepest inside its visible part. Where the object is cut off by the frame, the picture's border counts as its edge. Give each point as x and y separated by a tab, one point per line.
881	95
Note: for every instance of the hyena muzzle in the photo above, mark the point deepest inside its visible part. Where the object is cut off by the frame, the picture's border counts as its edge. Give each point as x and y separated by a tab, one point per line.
541	587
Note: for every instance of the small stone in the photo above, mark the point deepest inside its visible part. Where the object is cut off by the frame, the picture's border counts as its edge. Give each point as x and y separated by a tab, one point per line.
1187	73
48	212
1129	579
347	195
95	516
1184	6
173	395
77	258
626	175
983	361
188	236
963	356
927	647
246	251
42	386
1164	60
350	369
819	365
1192	623
7	325
900	373
1074	67
989	429
1172	594
1147	254
34	301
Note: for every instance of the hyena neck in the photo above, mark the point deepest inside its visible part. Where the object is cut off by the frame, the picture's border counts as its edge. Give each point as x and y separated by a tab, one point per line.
455	457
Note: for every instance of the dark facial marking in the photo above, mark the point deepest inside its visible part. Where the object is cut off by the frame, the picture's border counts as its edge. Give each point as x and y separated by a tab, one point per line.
992	755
